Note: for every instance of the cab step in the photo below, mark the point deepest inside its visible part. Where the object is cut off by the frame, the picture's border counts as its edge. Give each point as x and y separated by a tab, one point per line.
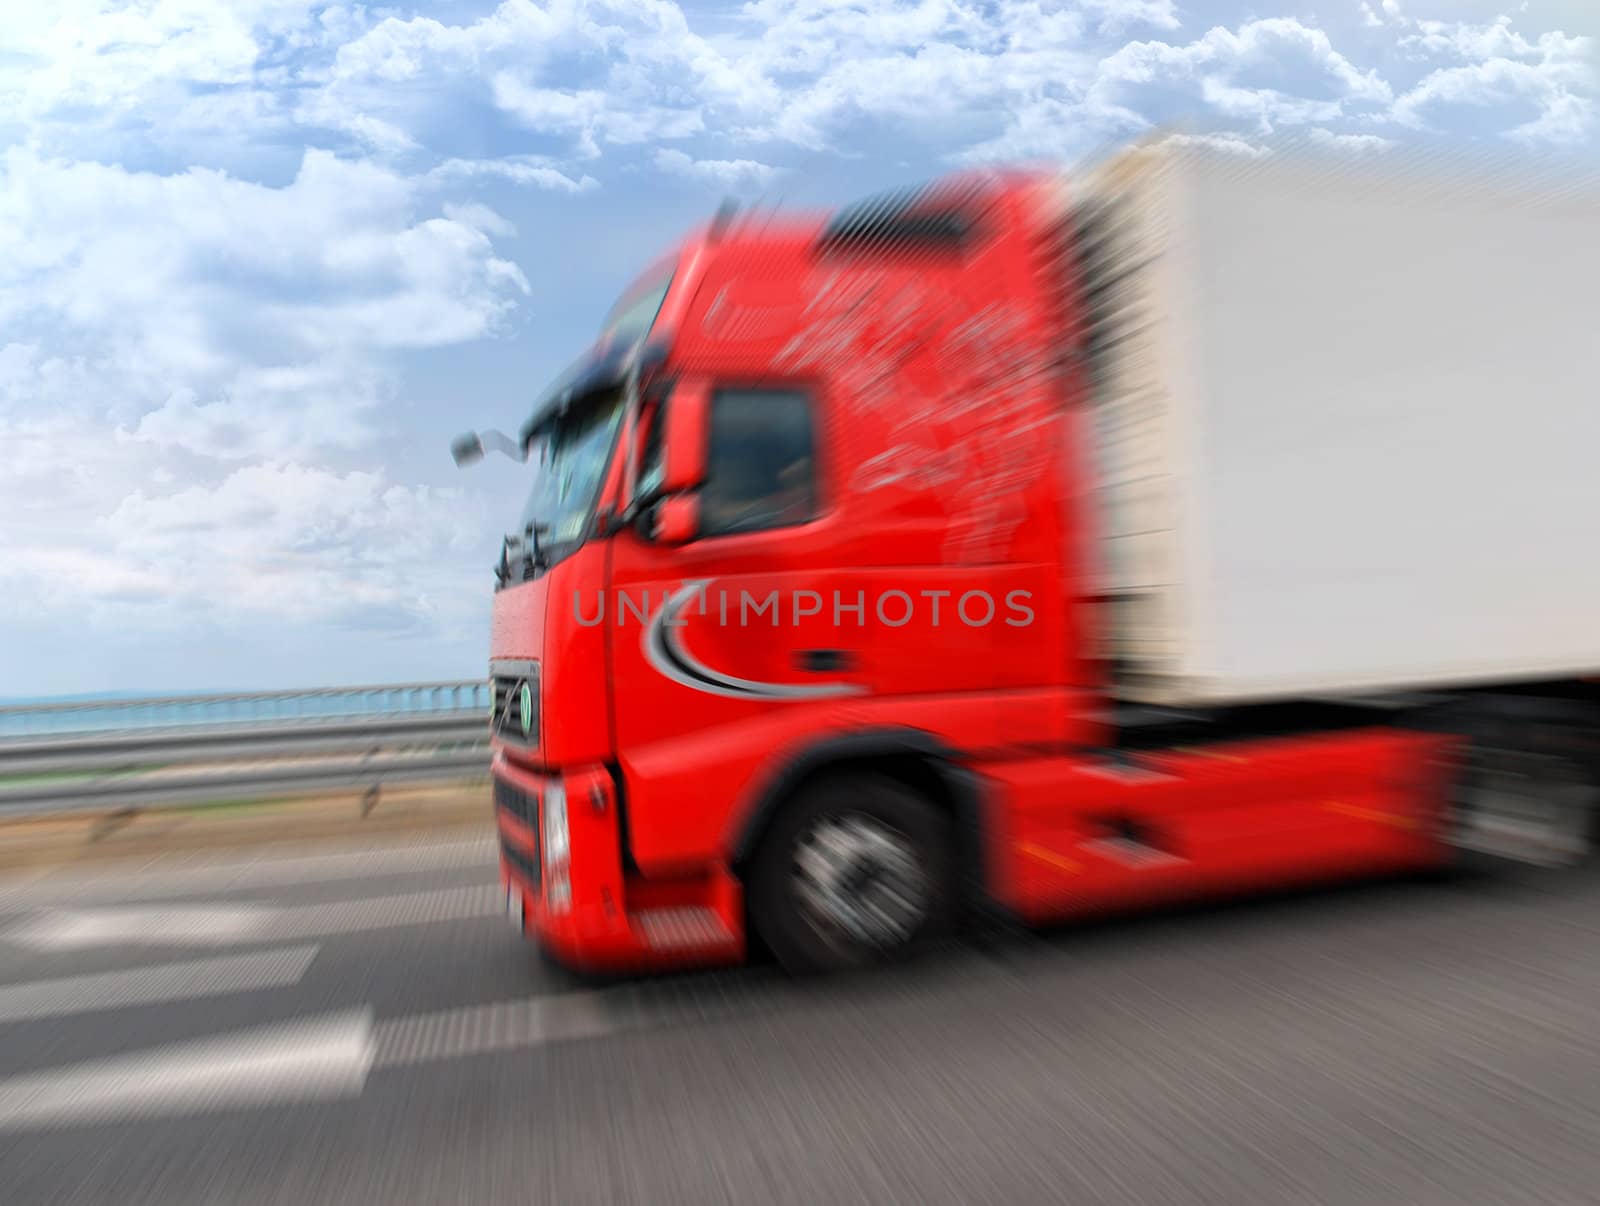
682	927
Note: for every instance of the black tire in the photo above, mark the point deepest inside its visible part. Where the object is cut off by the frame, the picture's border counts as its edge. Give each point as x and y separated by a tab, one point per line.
1544	749
783	897
1559	798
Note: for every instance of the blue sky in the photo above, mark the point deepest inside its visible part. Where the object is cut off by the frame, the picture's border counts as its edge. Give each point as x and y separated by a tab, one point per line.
259	260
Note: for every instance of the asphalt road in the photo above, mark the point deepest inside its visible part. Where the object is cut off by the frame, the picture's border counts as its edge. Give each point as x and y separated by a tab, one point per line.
364	1027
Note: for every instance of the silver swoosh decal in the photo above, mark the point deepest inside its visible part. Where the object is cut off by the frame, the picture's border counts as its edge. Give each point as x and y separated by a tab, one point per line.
664	649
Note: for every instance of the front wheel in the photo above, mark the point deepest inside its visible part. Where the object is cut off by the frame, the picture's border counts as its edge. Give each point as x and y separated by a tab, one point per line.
855	871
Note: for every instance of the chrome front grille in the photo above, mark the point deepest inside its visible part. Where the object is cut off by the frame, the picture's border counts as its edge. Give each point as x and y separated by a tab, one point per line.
514	802
527	867
523	806
516	702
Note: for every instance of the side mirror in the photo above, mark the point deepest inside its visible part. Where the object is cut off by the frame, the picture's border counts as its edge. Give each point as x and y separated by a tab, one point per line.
471	448
686	438
677	519
466	449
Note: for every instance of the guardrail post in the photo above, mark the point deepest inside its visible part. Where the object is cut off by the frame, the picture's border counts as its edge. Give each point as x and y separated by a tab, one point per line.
111	822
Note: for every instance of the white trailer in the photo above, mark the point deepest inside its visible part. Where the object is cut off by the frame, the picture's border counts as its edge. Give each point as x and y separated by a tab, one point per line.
1348	418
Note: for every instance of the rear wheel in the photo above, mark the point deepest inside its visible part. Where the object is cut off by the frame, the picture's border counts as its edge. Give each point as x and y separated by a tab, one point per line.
1514	806
855	871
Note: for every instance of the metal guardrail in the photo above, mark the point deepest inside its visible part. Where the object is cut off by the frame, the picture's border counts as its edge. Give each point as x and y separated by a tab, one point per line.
137	767
240	707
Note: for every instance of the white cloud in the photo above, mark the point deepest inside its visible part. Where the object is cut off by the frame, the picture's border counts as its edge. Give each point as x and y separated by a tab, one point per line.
590	117
283	542
1479	43
635	72
611	74
131	536
301	543
187	346
1564	119
725	173
1261	76
530	170
1116	16
1218	65
188	280
84	52
375	133
808	37
290	412
590	77
942	69
1549	80
1232	144
1349	142
78	67
479	217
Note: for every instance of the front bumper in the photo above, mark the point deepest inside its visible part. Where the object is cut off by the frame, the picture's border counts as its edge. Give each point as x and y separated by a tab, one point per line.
593	915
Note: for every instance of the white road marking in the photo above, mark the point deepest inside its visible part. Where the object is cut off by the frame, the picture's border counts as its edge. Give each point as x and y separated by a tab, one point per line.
686	1000
482	1029
68	930
168	879
153	985
536	1021
317	1058
391	912
333	1055
239	925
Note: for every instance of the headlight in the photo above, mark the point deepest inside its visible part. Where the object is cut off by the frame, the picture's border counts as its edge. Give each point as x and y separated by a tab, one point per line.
559	892
556	846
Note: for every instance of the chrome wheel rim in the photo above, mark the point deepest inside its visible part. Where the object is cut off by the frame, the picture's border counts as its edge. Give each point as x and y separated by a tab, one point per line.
860	881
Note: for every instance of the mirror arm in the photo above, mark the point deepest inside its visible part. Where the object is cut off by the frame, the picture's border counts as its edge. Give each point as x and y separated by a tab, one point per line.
498	441
470	448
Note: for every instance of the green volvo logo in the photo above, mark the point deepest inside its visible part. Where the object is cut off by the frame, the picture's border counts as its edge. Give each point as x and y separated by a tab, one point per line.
525	709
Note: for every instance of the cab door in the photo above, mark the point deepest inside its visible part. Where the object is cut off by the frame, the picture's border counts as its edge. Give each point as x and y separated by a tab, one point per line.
724	642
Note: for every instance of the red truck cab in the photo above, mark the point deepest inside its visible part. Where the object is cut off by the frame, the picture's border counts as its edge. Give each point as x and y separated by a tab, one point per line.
797	644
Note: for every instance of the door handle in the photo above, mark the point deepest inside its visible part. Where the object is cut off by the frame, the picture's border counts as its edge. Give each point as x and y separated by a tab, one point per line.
823	661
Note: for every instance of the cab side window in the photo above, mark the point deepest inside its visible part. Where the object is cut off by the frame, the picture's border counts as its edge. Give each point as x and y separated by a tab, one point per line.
761	462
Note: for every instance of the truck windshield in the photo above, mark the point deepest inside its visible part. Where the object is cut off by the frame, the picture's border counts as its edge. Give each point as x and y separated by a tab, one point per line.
633	316
569	459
